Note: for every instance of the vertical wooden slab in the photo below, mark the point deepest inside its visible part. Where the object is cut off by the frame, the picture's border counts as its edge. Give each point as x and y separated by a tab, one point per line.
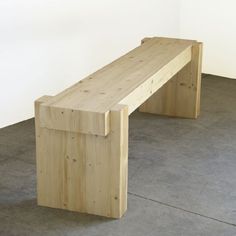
83	172
60	167
46	194
197	73
107	167
119	136
180	96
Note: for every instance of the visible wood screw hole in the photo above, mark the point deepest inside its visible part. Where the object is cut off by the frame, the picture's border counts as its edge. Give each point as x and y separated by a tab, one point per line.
67	157
116	198
102	93
74	160
72	110
86	91
72	137
62	112
81	82
65	204
90	77
182	84
90	165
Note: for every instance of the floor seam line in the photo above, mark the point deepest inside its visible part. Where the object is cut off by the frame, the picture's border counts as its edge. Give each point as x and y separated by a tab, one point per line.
182	209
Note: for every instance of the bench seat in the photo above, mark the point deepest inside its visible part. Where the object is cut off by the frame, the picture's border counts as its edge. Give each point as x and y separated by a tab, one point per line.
82	132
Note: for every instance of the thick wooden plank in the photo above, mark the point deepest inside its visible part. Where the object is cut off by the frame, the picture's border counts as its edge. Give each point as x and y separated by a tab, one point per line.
64	119
129	80
180	96
83	172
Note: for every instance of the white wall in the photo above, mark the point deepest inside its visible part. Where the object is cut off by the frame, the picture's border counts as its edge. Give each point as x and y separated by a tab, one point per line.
47	45
214	23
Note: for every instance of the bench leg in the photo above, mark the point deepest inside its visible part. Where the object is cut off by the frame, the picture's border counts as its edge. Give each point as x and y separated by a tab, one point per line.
83	172
180	96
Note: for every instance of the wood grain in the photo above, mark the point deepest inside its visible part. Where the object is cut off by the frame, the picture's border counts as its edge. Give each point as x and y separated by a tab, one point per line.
129	80
82	132
83	172
180	96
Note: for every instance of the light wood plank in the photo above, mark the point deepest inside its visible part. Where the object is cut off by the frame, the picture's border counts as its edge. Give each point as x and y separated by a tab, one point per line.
108	86
130	80
87	122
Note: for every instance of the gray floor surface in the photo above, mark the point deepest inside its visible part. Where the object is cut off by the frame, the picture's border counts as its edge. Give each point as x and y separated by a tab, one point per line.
182	176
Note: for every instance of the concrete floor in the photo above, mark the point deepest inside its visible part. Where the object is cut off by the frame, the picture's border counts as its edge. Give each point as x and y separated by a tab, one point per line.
182	176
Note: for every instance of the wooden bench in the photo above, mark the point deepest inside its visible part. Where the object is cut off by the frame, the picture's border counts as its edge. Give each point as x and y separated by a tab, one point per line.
82	132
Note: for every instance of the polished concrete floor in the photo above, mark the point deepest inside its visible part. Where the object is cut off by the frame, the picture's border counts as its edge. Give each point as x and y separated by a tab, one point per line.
182	176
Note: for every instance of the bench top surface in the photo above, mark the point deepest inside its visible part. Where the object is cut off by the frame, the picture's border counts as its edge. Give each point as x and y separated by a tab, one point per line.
105	88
